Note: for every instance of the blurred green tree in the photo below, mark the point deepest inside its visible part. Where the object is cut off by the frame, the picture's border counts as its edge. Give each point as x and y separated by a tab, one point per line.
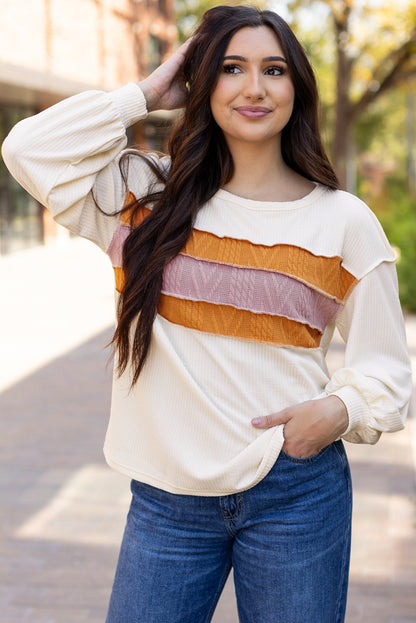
189	12
373	50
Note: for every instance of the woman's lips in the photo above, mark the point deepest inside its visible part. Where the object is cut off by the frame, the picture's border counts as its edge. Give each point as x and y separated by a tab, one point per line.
254	112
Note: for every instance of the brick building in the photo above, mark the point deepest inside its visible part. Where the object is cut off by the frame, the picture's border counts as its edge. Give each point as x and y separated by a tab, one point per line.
50	49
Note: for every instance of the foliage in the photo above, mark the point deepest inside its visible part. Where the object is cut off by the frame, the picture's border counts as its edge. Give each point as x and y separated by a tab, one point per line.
370	50
189	12
377	38
397	213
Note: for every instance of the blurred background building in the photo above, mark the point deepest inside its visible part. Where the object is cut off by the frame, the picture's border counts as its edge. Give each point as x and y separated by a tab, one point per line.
51	49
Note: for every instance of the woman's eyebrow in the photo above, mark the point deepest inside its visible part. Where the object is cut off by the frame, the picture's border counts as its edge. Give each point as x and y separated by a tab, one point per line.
267	59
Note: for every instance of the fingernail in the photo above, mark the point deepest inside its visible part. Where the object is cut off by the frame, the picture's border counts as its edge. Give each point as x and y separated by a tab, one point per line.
257	421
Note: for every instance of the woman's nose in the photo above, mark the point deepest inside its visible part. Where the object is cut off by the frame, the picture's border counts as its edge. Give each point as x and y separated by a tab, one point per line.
254	86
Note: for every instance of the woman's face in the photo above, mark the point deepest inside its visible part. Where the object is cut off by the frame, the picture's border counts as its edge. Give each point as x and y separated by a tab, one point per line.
254	96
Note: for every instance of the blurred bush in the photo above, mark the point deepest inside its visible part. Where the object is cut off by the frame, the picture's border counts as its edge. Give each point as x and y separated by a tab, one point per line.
396	210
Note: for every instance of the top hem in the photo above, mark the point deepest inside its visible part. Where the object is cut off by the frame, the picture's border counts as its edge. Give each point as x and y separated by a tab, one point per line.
266	466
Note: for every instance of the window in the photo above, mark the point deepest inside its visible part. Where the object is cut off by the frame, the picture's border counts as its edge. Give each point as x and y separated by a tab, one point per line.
155	52
20	215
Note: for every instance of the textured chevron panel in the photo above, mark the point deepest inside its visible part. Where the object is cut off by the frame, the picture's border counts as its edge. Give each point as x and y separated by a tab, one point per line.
259	291
325	274
115	250
281	294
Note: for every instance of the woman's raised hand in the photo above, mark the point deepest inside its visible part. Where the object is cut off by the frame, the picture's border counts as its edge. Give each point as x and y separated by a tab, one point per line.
165	89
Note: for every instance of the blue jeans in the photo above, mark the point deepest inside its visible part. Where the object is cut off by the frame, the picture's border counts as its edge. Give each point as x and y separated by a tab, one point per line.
287	539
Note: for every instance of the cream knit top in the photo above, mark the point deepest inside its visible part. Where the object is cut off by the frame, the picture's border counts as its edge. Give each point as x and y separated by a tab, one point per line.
247	310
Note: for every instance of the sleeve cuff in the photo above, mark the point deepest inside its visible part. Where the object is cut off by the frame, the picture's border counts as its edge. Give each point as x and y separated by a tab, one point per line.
357	408
130	103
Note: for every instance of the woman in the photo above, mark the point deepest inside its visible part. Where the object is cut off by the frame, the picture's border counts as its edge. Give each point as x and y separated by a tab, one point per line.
235	258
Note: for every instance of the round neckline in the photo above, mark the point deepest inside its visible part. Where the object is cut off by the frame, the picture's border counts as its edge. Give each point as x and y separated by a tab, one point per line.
253	204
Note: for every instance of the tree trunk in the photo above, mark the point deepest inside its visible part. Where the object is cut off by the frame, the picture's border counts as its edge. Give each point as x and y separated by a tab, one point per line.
342	143
411	140
343	149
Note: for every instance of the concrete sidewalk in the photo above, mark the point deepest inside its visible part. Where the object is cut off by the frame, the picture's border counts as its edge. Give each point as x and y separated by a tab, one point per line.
63	510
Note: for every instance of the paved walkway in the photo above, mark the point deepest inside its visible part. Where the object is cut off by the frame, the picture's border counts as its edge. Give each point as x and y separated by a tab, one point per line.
62	510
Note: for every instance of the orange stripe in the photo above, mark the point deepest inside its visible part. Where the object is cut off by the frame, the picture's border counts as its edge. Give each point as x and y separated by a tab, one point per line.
128	207
232	322
119	278
326	274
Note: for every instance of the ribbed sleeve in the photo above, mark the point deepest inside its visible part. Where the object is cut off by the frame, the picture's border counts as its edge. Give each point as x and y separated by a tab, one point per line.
60	155
375	383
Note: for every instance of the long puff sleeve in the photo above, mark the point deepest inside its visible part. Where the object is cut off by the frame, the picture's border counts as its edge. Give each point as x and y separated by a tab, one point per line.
67	158
375	382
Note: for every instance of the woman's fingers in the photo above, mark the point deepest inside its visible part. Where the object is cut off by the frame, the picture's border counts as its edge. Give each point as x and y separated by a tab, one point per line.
164	89
272	419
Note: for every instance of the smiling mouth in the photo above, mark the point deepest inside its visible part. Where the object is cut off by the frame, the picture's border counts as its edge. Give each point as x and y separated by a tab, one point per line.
253	112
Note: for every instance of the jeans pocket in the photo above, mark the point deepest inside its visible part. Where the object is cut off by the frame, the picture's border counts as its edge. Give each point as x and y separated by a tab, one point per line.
306	459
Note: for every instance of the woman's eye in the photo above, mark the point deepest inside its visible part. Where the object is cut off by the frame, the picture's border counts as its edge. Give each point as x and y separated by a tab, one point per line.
231	69
275	71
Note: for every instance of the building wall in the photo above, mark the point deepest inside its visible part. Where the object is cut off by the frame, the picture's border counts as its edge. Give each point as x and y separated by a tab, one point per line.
50	49
96	42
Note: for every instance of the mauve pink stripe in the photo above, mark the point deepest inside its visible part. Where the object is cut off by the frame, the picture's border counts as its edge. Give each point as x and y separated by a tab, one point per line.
115	250
255	290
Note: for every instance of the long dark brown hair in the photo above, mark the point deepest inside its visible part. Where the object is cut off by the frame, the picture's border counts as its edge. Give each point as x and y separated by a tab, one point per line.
201	163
